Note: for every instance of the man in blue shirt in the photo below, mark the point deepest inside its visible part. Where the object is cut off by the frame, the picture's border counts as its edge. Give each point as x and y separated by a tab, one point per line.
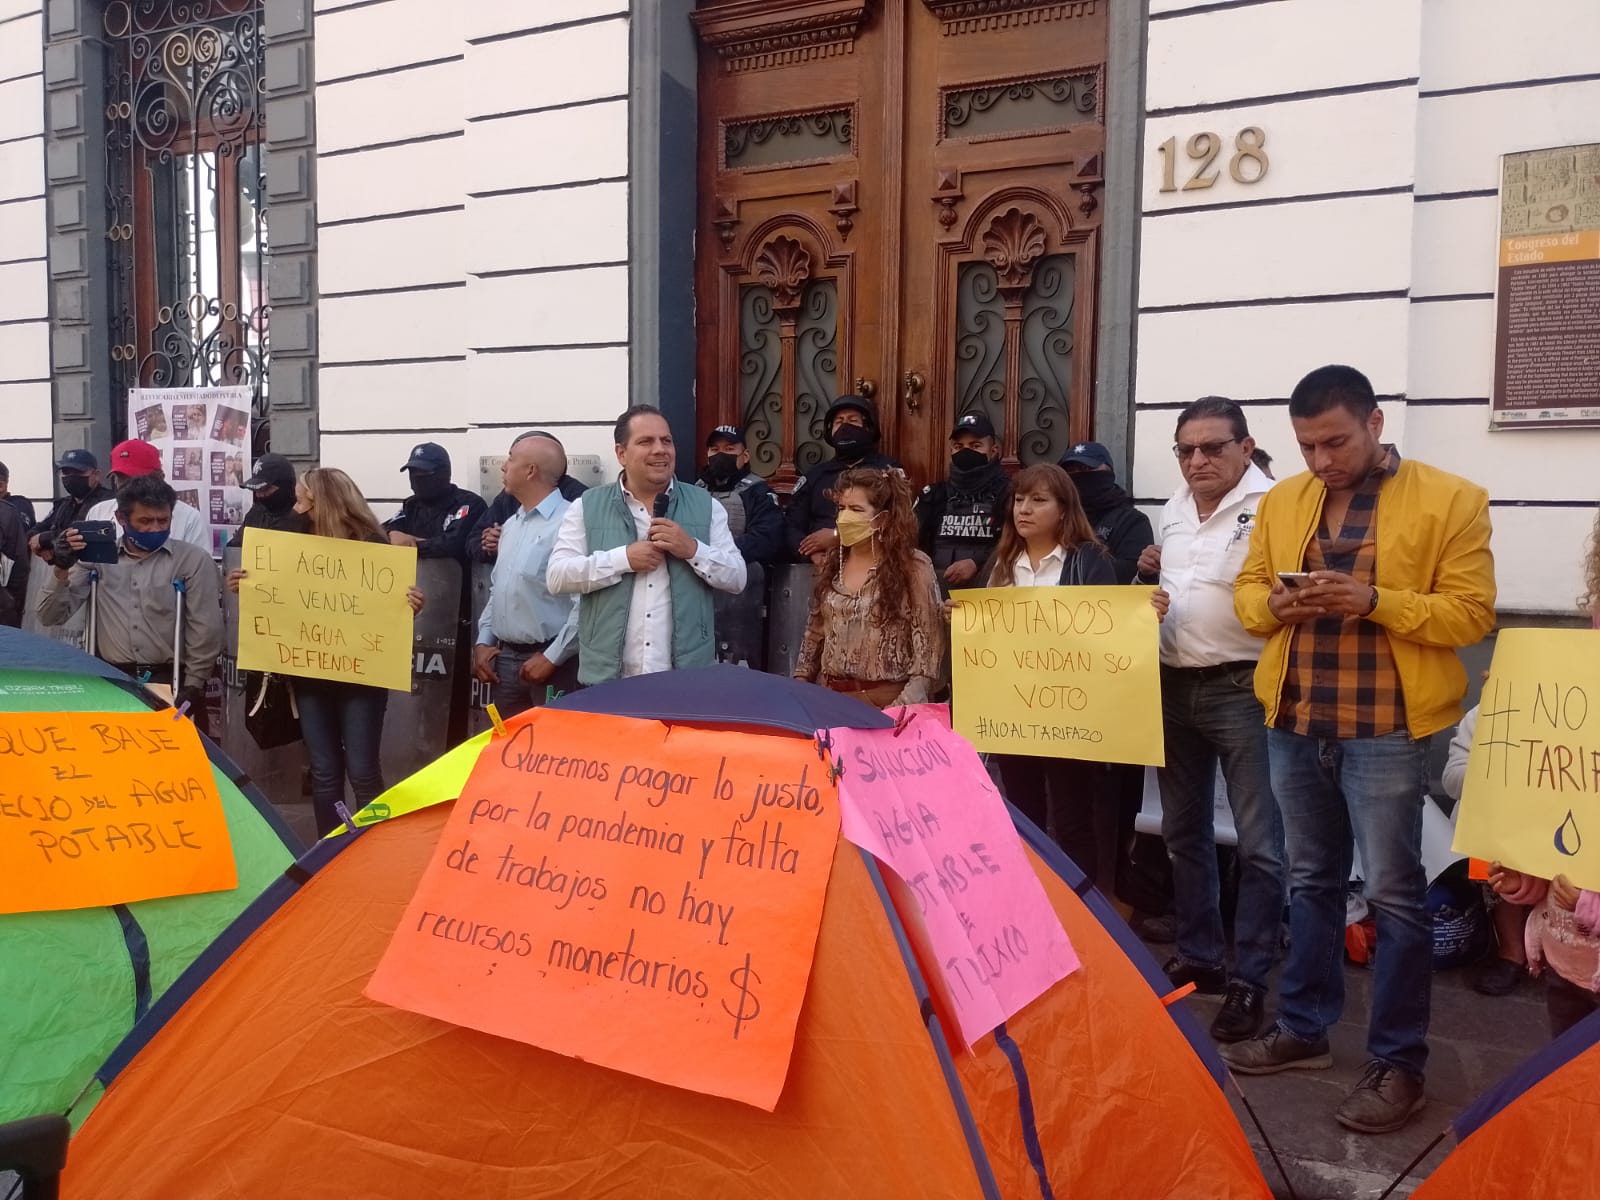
527	638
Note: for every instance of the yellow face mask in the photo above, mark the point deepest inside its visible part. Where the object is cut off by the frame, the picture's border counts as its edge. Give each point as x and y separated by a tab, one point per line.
854	528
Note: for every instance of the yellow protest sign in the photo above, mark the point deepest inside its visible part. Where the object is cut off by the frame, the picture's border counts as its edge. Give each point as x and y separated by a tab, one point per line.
326	608
107	808
1531	798
1068	672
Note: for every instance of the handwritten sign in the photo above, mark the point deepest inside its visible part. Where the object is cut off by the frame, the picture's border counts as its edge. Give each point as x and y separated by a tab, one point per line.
1059	672
923	804
635	896
326	608
1531	798
106	808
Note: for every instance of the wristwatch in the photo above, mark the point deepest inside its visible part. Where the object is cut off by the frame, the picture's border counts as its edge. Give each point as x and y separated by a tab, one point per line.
1372	607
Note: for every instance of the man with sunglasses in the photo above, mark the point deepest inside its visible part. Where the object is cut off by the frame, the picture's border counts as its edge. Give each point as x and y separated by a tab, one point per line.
1211	712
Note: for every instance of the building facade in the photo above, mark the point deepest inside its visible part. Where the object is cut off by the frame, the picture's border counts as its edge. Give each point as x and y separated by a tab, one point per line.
401	220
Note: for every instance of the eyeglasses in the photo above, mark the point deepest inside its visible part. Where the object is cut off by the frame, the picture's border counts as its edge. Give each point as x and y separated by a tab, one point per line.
1183	450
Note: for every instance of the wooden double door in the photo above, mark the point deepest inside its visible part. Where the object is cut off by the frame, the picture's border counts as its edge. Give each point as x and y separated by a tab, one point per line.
900	199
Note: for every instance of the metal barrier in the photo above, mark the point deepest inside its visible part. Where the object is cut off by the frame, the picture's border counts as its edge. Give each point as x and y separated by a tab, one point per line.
788	607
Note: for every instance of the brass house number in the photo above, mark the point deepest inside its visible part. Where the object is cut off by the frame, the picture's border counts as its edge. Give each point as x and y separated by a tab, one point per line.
1248	164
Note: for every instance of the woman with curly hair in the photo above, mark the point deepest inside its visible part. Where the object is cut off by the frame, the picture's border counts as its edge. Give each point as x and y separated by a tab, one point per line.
341	722
875	630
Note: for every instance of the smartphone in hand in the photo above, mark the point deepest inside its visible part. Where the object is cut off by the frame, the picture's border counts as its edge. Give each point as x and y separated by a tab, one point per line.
99	541
1295	579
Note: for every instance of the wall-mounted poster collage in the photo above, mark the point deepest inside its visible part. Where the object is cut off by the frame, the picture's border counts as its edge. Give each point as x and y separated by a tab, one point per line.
204	438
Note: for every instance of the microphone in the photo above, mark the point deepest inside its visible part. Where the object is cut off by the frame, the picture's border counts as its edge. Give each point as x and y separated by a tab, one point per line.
660	509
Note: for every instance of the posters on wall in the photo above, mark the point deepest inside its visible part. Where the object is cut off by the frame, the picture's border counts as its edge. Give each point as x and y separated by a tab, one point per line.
204	438
1547	293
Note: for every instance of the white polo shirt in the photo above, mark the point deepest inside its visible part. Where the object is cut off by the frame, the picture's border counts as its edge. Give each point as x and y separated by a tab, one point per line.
1199	563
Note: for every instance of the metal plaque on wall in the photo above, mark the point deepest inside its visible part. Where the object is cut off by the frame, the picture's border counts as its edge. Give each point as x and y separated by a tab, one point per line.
1547	291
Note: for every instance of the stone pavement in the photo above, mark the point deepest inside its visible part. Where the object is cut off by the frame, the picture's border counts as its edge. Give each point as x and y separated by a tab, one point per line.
1474	1040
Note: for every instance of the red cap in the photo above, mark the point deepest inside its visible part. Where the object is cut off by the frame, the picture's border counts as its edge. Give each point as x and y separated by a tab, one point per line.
134	457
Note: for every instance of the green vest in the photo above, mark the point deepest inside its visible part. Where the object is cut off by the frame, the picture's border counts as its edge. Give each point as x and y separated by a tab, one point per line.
603	615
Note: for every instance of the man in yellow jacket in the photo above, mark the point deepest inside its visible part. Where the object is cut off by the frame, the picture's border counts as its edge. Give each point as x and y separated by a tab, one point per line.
1364	576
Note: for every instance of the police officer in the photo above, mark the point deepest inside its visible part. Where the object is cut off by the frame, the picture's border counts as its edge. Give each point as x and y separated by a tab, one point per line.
272	482
438	515
959	518
757	525
1121	528
851	427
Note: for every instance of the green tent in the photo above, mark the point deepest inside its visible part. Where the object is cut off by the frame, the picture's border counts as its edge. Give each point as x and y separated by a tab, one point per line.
73	983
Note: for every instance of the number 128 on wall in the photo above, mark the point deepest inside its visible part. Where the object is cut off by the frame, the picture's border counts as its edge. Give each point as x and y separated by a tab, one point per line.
1248	164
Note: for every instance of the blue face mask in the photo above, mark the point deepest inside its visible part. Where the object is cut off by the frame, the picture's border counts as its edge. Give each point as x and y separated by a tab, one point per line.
148	542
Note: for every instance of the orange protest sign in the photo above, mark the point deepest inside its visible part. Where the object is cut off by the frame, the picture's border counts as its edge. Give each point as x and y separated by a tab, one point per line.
635	896
106	808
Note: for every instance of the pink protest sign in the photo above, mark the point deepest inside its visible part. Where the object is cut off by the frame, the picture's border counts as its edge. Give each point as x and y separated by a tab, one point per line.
922	803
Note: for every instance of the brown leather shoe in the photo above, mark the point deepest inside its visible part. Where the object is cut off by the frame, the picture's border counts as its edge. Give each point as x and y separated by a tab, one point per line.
1277	1050
1386	1098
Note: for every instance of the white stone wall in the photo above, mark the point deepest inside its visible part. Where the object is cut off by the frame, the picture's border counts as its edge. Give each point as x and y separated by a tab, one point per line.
25	420
472	228
1372	240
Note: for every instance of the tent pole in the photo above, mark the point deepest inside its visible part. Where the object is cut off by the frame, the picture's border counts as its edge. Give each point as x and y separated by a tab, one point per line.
1412	1165
1261	1129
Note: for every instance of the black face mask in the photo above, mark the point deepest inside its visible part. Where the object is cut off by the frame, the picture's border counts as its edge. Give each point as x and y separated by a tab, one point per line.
429	485
853	441
722	469
77	486
967	459
280	500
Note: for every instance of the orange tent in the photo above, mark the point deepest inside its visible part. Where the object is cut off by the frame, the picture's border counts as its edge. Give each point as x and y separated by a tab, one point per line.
277	1077
1534	1132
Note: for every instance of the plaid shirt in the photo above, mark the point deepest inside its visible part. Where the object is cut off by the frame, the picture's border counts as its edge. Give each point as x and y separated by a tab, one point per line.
1341	680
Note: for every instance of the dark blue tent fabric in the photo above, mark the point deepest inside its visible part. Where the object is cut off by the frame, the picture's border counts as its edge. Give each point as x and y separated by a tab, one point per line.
21	651
1582	1036
726	695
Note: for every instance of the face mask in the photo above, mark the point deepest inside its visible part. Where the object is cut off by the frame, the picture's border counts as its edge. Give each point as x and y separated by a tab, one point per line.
281	500
853	441
967	459
722	468
429	485
854	528
76	486
148	542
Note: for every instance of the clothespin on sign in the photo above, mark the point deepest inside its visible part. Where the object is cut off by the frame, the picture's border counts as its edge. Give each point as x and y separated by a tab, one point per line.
824	742
343	809
903	719
494	715
835	770
183	711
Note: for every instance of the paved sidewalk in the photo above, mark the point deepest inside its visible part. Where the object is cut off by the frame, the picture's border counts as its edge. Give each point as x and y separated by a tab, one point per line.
1474	1041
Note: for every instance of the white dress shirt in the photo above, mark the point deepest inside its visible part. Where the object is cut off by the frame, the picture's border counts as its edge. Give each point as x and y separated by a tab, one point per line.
1048	574
521	607
187	523
647	645
1199	562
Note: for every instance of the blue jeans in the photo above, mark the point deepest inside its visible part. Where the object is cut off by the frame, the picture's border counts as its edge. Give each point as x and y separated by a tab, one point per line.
1208	717
342	725
1370	789
513	696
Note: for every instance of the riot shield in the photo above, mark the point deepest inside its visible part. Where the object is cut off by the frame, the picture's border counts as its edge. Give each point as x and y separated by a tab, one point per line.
788	606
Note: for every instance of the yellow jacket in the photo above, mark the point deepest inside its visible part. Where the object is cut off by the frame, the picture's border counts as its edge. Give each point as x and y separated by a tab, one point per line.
1435	582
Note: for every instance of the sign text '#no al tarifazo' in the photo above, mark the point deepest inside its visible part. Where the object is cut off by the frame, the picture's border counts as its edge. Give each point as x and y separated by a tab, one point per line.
1068	672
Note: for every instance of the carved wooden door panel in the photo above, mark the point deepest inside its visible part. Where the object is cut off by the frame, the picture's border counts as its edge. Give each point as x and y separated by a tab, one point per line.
898	197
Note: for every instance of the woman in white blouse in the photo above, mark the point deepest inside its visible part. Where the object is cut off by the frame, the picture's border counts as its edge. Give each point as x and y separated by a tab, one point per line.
1048	542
